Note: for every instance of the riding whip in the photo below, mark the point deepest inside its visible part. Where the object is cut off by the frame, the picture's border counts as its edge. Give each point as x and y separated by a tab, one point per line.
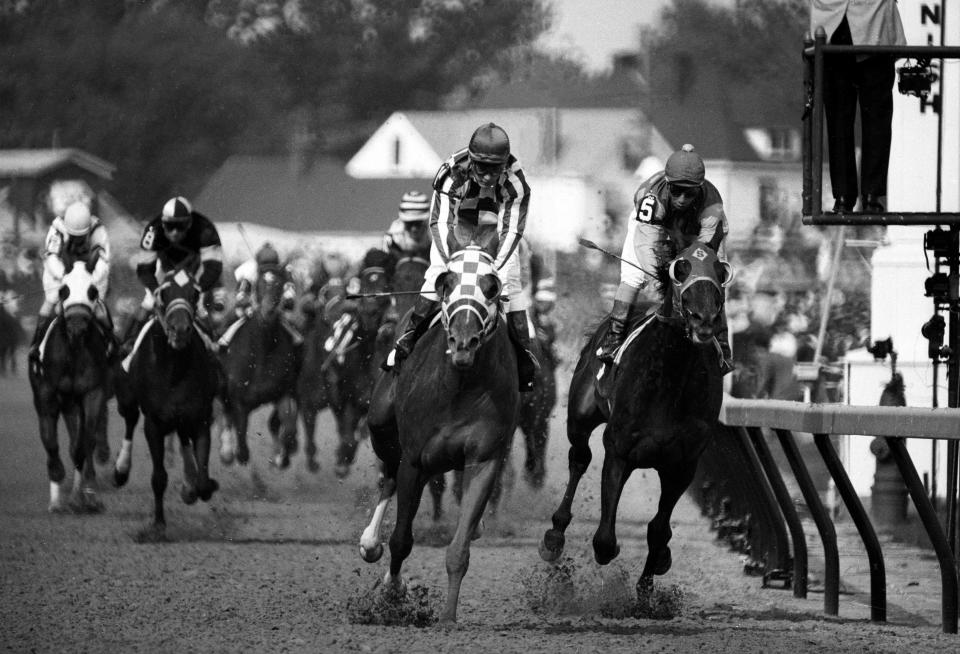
593	246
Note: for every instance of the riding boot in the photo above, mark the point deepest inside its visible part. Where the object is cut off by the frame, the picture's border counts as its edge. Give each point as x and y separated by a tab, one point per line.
527	364
723	341
416	327
614	336
43	324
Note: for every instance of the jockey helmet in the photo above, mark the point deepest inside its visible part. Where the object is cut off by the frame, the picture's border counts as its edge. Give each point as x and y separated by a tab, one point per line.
685	167
414	207
489	145
176	211
77	220
267	255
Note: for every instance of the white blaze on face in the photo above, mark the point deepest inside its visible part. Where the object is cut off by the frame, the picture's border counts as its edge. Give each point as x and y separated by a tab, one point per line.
78	282
470	265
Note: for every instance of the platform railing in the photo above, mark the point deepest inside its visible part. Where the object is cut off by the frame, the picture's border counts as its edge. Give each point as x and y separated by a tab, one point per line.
894	424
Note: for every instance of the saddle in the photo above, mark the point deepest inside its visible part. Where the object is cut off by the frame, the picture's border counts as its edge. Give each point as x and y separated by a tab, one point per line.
607	375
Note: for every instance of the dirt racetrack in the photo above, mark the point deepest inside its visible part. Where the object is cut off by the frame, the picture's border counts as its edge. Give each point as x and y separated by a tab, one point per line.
271	565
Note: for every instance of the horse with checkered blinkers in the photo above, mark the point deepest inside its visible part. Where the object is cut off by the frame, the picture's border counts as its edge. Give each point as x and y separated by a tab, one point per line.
71	379
171	377
453	405
660	404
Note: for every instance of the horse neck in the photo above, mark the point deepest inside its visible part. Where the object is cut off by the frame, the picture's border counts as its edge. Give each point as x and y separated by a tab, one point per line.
662	356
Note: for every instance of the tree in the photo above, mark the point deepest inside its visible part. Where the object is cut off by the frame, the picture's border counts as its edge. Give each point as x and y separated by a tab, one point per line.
744	61
158	93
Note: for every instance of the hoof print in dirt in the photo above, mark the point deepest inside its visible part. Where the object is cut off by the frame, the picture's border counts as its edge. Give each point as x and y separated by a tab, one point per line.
406	606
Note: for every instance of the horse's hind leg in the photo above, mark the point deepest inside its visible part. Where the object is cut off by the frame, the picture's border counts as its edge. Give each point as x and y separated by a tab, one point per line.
437	484
471	510
614	476
673	483
583	416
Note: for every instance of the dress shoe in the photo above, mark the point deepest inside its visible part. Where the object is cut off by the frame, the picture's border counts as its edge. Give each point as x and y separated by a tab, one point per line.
871	204
840	205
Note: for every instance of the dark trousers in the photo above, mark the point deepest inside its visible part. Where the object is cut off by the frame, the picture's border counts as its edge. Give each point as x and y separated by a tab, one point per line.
847	82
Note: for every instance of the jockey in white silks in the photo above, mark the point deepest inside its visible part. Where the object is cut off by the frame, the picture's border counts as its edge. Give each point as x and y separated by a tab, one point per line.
77	235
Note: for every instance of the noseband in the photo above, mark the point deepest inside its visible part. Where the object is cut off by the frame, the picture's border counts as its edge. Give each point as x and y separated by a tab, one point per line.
470	265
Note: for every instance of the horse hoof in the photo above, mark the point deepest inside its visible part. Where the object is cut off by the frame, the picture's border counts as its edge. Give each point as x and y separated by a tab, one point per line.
243	455
102	454
312	465
120	478
188	494
551	547
371	555
341	470
226	457
603	556
209	489
664	562
86	501
58	507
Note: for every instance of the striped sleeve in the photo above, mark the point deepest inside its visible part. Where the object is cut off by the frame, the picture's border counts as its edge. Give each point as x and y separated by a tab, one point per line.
442	212
516	200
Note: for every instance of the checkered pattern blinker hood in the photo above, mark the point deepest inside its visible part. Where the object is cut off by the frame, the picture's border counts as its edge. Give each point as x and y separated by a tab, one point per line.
471	284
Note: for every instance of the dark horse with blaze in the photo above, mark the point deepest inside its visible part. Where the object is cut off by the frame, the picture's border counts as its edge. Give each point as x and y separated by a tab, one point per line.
72	379
660	407
261	357
453	405
172	378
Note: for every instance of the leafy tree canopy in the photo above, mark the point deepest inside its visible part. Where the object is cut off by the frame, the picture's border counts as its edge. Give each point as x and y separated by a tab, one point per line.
167	89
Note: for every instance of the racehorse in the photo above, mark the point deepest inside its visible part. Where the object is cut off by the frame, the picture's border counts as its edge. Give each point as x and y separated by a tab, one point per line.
261	358
660	407
453	405
11	332
535	416
172	379
71	379
340	362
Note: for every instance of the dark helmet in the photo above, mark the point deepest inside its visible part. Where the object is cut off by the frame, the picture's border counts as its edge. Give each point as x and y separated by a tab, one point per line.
685	167
267	256
489	144
177	210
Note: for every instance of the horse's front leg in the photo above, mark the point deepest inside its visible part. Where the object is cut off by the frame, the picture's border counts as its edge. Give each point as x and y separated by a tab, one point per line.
583	416
482	479
348	417
612	479
673	483
410	483
239	415
283	430
84	444
155	435
308	416
55	470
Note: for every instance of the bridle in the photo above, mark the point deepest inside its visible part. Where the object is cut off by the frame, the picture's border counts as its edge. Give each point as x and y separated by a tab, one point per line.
470	264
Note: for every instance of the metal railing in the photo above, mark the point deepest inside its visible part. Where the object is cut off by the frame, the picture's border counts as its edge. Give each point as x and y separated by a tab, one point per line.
823	420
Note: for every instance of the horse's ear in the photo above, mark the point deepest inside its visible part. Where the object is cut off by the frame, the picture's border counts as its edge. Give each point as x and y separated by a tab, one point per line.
491	286
679	270
441	282
64	292
724	272
93	293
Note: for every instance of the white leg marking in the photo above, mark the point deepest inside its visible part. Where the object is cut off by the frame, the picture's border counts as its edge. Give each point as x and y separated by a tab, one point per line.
370	537
123	459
